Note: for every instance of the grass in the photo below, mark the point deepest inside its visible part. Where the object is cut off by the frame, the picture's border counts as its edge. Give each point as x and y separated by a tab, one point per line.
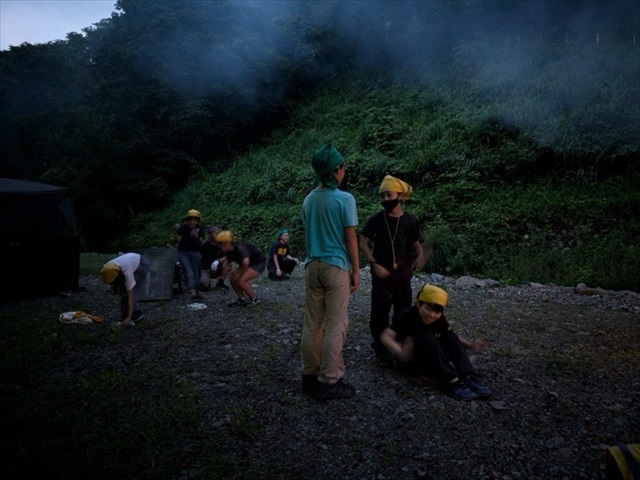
93	421
243	421
495	201
114	425
91	263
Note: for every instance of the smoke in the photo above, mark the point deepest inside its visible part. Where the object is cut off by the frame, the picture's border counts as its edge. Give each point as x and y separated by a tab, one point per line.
246	57
536	58
541	62
556	52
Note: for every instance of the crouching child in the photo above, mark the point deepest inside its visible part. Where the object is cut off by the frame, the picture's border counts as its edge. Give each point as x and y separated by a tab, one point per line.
421	336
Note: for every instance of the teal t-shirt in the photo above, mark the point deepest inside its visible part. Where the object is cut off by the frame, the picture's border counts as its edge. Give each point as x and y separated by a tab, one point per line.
326	212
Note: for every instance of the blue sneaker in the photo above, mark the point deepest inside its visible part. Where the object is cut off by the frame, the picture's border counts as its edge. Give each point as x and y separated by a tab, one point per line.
477	388
460	391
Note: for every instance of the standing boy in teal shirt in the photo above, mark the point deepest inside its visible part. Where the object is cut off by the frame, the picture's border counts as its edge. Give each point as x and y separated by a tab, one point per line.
330	218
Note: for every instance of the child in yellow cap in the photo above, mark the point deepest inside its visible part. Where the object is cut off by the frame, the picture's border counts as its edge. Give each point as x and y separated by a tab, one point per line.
189	237
212	267
127	275
421	336
251	263
391	241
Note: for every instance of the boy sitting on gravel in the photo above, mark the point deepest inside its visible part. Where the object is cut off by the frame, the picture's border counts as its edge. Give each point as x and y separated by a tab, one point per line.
422	337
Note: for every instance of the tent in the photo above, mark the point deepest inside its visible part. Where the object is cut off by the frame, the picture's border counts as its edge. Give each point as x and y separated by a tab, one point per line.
39	240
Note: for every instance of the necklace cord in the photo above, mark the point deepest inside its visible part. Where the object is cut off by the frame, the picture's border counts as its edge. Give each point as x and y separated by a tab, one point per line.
393	239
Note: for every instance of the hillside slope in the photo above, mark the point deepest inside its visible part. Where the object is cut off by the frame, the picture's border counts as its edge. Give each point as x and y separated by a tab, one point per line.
494	200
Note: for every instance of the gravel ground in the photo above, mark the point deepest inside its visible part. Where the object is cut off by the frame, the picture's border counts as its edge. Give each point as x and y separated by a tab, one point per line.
564	368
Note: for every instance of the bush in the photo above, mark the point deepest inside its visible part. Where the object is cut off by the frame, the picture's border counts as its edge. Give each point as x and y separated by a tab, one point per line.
485	204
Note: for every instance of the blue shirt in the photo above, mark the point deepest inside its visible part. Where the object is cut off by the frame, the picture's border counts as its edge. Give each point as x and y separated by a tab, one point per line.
326	212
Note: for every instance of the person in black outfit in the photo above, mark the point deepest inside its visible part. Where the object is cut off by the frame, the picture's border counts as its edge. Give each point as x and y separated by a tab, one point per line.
397	250
280	263
212	267
189	237
251	263
421	337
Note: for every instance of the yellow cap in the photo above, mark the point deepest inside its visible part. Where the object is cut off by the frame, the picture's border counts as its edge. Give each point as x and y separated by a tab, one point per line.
194	213
109	272
432	294
393	184
225	236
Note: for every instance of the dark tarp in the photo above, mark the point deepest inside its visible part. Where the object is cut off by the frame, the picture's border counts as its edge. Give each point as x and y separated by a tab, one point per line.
40	244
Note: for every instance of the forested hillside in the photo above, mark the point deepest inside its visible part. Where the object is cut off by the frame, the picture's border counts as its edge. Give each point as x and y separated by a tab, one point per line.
517	123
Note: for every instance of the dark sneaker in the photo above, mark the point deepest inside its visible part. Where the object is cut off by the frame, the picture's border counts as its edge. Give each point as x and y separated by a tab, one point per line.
253	303
238	303
310	383
477	388
137	315
340	389
222	286
459	391
384	359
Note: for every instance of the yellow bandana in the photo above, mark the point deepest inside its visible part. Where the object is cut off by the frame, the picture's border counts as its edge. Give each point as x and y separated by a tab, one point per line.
224	236
432	294
194	214
393	184
109	272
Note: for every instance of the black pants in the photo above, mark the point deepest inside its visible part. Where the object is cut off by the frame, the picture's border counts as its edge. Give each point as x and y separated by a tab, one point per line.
442	356
386	293
286	267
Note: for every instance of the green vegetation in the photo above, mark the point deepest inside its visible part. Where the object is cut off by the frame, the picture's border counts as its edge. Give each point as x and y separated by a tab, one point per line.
104	424
519	128
516	211
91	263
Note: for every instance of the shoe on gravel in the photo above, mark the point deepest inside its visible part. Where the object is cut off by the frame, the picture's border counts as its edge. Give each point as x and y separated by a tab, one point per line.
340	389
238	303
310	383
460	391
477	388
253	303
137	315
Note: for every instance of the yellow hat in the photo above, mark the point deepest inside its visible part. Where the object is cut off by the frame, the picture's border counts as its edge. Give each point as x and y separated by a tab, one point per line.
225	236
109	272
432	294
194	213
393	184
